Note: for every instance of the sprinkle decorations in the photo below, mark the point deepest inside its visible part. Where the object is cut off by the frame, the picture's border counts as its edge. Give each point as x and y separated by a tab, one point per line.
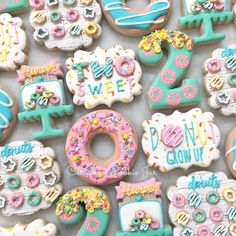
181	140
220	70
205	13
141	212
164	92
97	205
83	161
42	97
26	190
37	227
213	215
103	76
13	6
66	25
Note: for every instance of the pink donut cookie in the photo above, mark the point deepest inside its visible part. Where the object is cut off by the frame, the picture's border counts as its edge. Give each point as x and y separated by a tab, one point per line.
82	160
16	199
32	180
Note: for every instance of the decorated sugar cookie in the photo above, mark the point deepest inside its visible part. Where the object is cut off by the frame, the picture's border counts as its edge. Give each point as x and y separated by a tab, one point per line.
12	43
203	204
165	91
70	210
37	227
66	24
136	22
103	76
230	151
30	178
42	98
220	80
204	14
13	6
141	211
181	140
83	161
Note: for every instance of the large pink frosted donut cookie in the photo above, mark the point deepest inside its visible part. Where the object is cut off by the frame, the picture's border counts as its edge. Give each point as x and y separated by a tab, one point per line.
78	146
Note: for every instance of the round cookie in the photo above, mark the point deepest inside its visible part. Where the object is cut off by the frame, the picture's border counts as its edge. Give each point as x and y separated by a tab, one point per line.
80	157
66	25
219	80
230	151
136	22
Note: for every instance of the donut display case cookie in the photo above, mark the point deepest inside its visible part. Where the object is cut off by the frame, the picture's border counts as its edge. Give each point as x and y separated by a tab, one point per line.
220	80
66	25
181	140
203	203
103	76
29	178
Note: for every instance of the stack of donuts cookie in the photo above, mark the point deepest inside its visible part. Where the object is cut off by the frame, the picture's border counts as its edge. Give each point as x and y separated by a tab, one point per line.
53	72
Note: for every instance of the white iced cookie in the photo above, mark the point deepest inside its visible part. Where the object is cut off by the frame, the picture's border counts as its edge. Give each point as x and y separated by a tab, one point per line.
220	80
65	24
37	227
203	204
29	178
181	140
103	76
12	43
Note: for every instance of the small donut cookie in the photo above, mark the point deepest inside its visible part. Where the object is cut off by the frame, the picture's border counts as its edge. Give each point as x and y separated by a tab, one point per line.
220	81
136	22
230	151
66	25
85	164
97	204
13	6
208	204
103	76
181	140
205	14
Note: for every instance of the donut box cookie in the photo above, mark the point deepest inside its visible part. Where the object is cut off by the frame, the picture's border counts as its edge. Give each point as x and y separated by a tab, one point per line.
181	140
205	14
165	91
82	160
203	203
220	72
70	209
141	210
103	76
14	6
37	227
136	22
13	43
43	98
66	25
29	178
230	151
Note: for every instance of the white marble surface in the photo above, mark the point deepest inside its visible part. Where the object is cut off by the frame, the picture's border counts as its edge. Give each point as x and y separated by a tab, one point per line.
137	112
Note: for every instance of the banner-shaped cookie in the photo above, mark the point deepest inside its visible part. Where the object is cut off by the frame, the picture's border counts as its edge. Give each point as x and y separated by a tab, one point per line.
13	6
181	140
103	76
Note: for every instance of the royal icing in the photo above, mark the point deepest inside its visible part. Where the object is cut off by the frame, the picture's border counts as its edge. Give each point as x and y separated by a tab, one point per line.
12	42
37	227
65	24
97	205
208	204
80	157
141	211
181	140
43	98
205	13
163	92
136	22
27	186
13	5
219	79
103	76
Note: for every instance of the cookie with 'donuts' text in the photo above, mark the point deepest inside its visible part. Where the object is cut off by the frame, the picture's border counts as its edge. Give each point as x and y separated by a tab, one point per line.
181	140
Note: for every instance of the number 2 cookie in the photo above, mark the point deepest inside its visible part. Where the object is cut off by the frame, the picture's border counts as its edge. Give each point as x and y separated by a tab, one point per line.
66	24
220	80
181	140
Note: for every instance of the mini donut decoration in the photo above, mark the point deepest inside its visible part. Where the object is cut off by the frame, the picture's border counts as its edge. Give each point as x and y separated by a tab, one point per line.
85	164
